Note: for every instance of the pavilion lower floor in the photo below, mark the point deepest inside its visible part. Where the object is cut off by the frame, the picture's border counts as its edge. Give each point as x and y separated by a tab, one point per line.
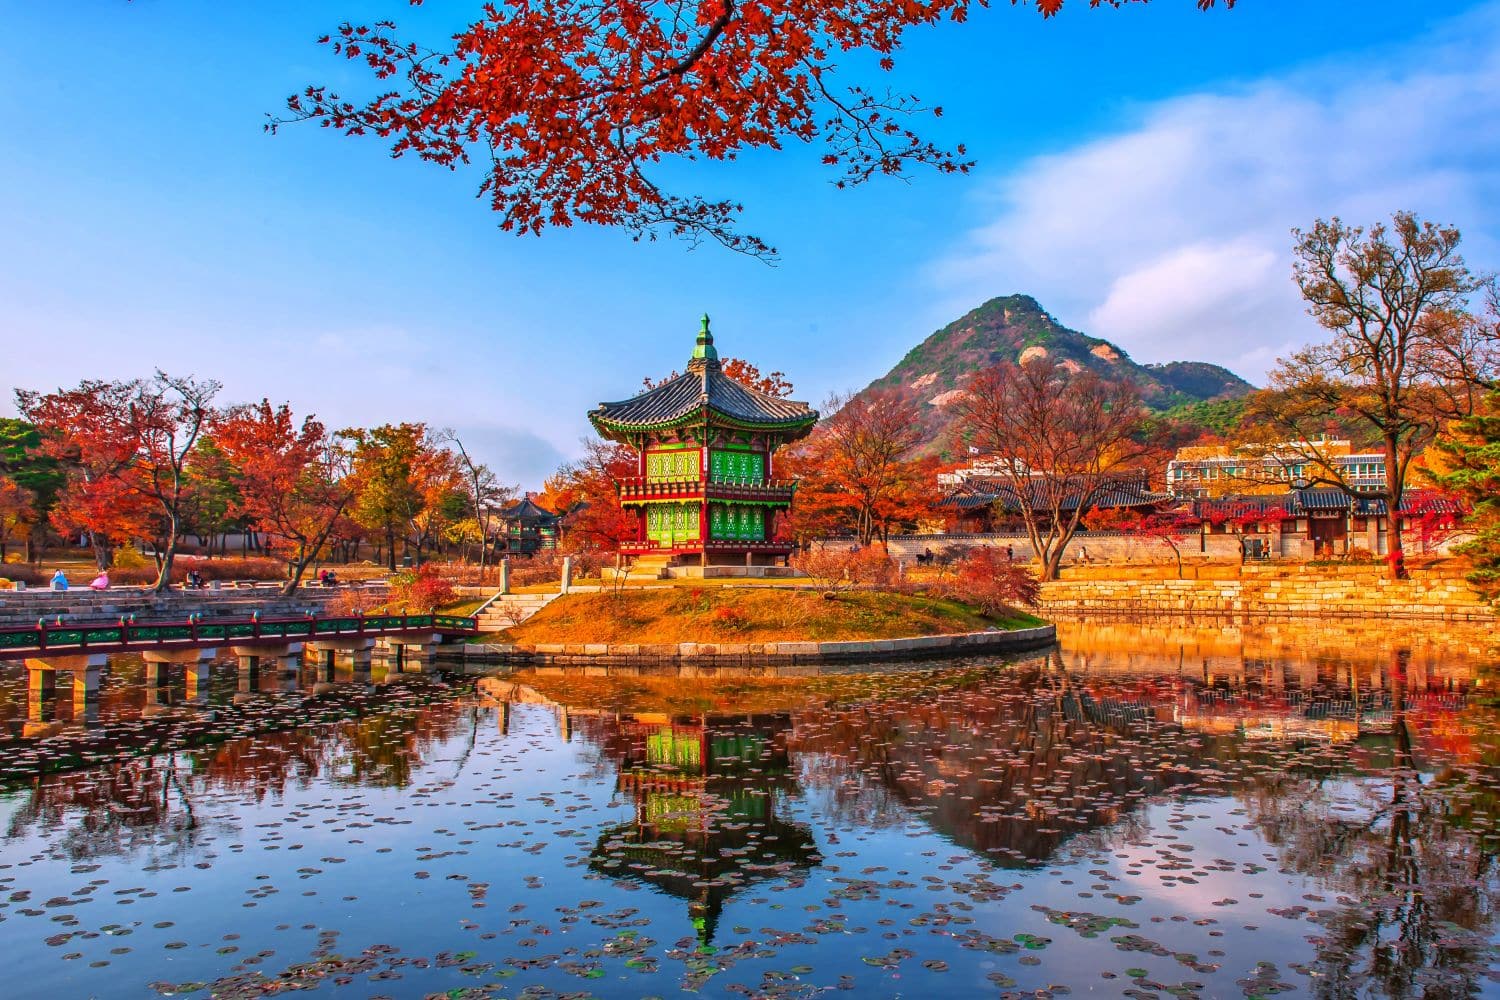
714	552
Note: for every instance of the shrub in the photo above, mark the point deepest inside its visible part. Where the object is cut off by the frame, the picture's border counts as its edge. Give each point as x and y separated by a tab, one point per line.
730	619
29	575
422	590
987	580
126	558
834	569
354	601
210	569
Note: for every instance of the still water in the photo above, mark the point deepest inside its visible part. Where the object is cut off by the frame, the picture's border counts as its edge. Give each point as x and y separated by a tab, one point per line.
1169	809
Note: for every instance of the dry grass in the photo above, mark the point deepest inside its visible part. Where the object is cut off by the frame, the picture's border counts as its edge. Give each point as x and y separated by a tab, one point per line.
711	614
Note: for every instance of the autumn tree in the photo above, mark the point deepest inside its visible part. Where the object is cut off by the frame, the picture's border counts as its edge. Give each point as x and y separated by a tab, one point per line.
292	480
857	469
393	479
127	444
572	105
1470	451
486	493
26	463
213	500
1060	440
1167	528
584	494
1404	358
17	512
746	374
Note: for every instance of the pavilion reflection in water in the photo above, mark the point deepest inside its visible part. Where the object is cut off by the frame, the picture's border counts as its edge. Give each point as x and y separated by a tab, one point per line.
706	791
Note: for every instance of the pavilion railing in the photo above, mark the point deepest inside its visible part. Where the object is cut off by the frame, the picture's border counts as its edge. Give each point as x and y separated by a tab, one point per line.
719	487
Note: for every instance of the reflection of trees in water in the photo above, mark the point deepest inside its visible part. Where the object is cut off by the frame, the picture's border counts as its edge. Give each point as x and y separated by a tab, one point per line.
1415	859
1012	764
119	808
153	803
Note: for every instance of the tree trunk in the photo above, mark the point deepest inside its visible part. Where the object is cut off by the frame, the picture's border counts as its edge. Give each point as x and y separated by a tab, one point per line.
299	566
1394	488
164	574
103	551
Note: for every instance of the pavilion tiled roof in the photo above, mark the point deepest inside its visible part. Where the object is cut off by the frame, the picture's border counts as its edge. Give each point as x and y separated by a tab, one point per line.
703	385
527	511
1299	503
1126	491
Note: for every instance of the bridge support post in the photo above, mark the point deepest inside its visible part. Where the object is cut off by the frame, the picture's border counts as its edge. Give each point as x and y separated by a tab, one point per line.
194	664
87	672
341	659
256	660
411	653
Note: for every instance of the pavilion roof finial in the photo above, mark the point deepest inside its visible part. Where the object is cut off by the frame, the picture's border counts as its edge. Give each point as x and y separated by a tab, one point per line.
704	349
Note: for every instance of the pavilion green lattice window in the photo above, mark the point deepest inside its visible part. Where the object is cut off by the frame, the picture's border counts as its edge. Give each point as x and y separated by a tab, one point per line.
737	522
745	466
672	466
671	522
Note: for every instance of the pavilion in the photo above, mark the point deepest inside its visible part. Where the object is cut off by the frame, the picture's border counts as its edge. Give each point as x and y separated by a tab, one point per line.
705	488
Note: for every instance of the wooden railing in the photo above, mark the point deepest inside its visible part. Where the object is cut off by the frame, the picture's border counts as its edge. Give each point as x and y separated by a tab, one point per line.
60	636
636	489
713	545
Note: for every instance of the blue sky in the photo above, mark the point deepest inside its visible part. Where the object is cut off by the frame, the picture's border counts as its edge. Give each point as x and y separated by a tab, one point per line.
1138	172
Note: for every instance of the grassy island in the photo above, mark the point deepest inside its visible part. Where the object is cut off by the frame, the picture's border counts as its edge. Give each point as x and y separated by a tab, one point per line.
752	614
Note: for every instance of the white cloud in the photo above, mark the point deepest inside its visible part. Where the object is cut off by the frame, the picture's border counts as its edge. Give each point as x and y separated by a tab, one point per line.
1172	237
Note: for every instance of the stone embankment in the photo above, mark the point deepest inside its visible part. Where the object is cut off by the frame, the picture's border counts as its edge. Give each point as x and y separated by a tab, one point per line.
1298	591
754	653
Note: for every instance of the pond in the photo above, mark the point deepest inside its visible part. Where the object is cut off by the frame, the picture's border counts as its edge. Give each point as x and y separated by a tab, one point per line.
1189	808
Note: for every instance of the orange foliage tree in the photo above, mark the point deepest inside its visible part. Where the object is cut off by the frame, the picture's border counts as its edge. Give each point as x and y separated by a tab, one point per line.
572	102
1060	441
584	493
127	445
292	480
17	512
857	472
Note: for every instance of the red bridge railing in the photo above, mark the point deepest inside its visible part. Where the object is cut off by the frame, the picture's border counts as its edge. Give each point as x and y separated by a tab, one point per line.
60	636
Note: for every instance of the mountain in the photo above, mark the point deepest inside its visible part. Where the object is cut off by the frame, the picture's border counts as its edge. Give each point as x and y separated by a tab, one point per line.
1016	327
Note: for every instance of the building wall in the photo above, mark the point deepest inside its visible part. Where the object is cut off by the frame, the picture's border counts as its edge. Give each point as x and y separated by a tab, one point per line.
1121	547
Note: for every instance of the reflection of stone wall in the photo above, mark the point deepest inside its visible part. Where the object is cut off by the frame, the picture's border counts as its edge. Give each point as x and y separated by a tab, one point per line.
1302	650
1346	592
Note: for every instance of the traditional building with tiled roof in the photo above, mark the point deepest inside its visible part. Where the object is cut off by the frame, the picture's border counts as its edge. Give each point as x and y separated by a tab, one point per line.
705	486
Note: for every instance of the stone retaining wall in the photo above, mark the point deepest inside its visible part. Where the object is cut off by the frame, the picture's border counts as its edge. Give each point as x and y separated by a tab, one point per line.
1266	591
727	654
26	606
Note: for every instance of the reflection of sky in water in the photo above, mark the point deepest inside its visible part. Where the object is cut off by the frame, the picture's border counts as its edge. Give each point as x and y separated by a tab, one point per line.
463	834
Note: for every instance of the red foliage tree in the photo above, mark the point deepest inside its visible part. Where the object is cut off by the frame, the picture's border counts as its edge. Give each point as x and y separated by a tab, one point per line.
572	102
292	480
857	472
1060	439
994	584
584	493
126	445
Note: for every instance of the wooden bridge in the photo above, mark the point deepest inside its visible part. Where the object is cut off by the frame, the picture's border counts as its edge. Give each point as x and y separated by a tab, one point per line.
126	635
338	647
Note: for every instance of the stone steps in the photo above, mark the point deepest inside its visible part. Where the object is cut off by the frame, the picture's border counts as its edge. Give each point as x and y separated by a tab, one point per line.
512	609
648	568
